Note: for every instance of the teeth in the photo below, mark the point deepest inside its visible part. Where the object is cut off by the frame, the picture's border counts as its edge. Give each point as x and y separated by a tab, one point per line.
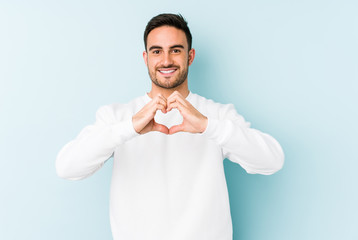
168	71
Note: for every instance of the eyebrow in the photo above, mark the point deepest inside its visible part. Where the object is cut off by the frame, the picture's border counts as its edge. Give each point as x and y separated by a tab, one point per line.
177	46
159	47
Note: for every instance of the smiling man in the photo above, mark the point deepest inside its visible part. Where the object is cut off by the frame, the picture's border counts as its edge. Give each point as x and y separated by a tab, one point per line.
177	54
168	180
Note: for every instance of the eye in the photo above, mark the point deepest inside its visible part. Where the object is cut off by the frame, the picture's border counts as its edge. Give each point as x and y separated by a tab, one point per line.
176	51
156	52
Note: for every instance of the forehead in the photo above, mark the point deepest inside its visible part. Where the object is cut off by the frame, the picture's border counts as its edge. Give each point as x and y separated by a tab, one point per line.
166	36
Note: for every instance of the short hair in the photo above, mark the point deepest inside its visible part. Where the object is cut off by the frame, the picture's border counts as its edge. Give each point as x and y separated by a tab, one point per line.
168	19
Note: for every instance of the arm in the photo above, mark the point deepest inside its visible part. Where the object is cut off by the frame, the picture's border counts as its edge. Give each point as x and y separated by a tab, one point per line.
96	143
255	151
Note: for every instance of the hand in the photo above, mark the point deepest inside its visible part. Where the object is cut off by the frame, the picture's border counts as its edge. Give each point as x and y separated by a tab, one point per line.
193	120
143	121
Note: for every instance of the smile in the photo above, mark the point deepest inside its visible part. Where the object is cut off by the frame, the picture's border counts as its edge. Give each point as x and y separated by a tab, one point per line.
167	71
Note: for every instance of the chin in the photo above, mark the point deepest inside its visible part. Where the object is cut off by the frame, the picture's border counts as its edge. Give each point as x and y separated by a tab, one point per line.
166	83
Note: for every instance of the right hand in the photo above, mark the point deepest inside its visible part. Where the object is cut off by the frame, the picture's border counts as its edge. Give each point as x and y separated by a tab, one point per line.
143	121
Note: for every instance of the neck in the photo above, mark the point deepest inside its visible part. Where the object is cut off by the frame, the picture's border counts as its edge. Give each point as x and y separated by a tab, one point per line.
182	89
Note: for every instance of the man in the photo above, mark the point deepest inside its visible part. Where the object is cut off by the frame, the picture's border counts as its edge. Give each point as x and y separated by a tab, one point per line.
168	179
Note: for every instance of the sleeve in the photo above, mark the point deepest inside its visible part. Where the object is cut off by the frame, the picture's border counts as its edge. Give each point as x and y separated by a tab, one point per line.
94	145
255	151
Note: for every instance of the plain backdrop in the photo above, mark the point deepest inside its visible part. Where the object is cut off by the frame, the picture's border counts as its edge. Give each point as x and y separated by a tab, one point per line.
289	67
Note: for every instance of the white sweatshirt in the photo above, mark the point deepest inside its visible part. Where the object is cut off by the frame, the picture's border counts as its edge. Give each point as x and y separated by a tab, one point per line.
169	187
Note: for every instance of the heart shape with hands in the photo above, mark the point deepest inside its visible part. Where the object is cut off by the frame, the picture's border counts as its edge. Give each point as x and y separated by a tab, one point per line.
145	120
169	119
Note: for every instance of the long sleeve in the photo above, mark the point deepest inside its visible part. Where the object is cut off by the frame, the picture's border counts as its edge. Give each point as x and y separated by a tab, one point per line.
96	143
255	151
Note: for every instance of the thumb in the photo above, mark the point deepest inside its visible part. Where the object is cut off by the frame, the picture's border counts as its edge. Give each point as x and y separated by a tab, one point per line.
160	128
176	128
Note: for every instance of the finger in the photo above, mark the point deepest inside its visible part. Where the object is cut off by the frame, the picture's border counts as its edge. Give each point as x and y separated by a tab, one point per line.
160	128
180	101
162	97
176	128
176	105
176	93
160	104
177	98
162	107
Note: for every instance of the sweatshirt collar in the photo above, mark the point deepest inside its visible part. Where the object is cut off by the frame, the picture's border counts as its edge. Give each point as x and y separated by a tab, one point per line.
147	99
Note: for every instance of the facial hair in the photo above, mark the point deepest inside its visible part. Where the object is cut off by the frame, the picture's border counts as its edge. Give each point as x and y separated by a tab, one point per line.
183	74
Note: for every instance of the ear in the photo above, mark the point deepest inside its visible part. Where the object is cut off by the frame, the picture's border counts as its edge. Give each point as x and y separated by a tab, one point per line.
191	56
145	57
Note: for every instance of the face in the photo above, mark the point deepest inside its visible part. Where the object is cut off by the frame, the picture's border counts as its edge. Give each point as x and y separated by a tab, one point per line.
168	57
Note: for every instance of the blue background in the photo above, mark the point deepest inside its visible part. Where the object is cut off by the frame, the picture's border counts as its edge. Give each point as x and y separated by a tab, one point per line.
290	68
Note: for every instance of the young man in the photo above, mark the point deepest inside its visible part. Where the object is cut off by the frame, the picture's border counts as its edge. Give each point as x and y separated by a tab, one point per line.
168	179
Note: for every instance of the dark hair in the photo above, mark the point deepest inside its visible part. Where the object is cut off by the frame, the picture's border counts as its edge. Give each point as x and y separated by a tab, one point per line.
168	19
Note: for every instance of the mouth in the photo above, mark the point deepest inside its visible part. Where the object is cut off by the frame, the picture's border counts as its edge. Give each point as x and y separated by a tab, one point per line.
167	71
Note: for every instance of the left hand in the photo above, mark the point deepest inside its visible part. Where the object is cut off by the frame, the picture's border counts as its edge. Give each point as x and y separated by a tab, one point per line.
193	120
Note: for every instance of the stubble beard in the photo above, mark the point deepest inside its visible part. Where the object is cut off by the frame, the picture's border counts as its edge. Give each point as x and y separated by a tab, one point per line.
170	84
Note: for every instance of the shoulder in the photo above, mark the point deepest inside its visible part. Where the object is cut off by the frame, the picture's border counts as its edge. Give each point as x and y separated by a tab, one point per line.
118	111
217	110
210	106
203	101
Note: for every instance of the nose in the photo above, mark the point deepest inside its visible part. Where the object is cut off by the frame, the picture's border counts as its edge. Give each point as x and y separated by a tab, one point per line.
167	59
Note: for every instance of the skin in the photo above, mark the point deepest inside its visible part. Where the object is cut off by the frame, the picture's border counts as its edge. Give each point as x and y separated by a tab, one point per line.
168	59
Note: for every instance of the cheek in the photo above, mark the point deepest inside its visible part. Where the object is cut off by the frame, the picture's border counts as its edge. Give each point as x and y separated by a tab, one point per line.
152	63
183	60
